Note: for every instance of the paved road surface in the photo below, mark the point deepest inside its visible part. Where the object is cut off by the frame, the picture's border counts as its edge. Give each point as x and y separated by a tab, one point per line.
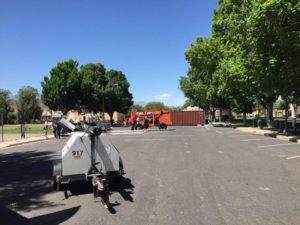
191	175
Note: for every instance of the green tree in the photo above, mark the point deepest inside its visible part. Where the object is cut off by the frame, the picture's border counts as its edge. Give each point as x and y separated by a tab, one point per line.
279	104
235	85
11	117
204	57
274	36
4	103
62	90
27	104
175	108
155	106
117	95
234	81
188	103
137	108
93	84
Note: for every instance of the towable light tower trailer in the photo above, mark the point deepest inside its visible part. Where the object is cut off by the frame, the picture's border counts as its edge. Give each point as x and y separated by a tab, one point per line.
87	156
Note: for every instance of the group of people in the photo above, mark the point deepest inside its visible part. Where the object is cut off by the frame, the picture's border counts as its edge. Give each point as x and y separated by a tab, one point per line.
56	129
135	121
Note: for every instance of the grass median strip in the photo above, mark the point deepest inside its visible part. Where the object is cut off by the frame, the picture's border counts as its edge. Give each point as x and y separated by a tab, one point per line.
30	129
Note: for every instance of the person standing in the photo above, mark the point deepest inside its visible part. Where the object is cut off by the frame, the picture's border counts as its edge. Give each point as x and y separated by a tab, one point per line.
132	120
54	127
146	122
58	131
46	128
137	122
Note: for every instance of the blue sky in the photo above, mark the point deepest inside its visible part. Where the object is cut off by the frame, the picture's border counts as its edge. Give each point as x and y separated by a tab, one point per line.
145	39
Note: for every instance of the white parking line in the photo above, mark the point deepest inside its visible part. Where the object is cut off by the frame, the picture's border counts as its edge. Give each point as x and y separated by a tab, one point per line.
294	157
259	139
132	140
241	135
128	133
269	146
172	135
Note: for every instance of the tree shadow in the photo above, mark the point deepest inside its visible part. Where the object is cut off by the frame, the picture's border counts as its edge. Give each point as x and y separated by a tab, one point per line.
12	218
25	179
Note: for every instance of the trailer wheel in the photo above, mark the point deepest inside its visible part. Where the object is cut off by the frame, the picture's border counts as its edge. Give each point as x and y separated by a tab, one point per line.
66	194
139	127
55	184
162	126
119	177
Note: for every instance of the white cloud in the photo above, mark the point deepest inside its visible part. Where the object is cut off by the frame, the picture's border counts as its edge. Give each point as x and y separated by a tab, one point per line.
163	97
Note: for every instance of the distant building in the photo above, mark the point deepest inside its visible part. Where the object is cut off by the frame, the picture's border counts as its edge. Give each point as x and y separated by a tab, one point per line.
192	108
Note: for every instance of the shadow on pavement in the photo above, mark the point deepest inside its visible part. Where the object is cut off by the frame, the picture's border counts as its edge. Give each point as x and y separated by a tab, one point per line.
124	187
25	179
12	218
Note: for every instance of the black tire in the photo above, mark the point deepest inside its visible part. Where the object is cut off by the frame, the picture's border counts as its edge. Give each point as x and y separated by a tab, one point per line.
55	184
66	194
119	177
139	127
162	126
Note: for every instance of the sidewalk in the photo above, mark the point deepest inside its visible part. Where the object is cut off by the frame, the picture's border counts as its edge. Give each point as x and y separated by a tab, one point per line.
269	133
15	139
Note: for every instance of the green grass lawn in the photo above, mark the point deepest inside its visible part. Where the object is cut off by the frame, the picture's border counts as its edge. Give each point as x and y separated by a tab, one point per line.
30	129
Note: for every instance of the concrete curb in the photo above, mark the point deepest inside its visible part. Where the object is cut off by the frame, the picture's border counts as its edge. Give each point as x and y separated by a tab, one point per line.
24	141
288	138
268	133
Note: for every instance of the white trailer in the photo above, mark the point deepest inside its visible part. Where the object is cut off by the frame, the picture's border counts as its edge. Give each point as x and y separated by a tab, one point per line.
87	156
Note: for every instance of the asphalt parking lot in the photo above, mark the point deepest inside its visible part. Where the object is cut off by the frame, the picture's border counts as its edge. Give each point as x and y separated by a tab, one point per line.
188	175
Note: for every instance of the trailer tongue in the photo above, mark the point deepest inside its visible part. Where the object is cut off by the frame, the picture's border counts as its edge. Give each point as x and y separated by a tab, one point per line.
87	156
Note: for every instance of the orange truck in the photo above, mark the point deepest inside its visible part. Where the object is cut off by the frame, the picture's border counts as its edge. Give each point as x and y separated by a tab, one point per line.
164	118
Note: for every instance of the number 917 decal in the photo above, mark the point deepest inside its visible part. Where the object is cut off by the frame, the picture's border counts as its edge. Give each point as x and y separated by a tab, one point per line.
77	154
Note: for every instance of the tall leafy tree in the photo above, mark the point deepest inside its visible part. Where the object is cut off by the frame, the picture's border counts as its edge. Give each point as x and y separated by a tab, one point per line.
235	85
27	104
61	91
4	103
117	95
93	84
274	36
234	81
203	57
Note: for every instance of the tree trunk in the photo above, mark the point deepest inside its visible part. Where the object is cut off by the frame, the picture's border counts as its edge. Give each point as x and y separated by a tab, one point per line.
244	118
111	117
270	114
286	116
213	115
221	112
230	114
295	110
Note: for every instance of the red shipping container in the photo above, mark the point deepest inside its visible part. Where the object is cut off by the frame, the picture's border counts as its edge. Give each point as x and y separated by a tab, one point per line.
187	118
